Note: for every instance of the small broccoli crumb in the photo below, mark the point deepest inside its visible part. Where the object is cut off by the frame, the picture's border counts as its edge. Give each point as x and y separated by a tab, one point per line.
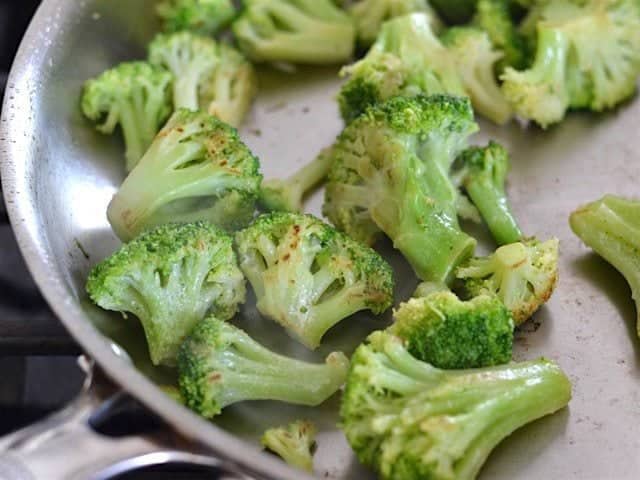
294	443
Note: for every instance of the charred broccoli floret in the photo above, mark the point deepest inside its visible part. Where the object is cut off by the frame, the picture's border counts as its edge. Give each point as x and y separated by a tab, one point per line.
308	277
134	95
287	195
522	274
219	364
190	58
475	59
494	17
406	59
197	168
483	173
369	15
409	420
293	443
206	17
449	333
296	31
611	227
588	56
170	278
230	89
390	173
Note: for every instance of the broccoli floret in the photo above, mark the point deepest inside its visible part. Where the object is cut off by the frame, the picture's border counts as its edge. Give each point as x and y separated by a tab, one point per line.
135	95
391	172
308	277
407	59
409	420
455	11
611	227
588	56
197	168
206	17
191	59
484	173
369	15
522	274
293	443
475	59
219	364
229	92
169	278
286	195
296	31
494	17
449	333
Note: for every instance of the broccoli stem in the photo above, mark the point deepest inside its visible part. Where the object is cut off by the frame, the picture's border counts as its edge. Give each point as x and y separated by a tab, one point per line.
132	121
492	202
186	87
611	227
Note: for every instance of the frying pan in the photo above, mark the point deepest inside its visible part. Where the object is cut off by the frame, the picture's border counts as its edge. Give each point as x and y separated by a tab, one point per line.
58	175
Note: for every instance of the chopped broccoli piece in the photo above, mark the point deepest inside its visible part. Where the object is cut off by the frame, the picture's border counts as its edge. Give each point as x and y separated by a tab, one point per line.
369	15
197	168
475	58
484	173
170	278
390	173
588	56
293	443
308	277
286	195
449	333
407	59
494	17
522	274
455	11
231	88
296	31
206	17
409	420
219	364
611	227
190	58
135	95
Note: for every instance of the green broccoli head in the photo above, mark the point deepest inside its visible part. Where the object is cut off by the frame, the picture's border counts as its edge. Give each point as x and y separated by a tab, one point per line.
409	420
390	173
588	56
293	443
369	15
450	333
494	17
522	274
484	174
134	95
191	58
296	31
611	226
475	59
197	168
406	59
287	195
308	277
219	365
206	17
169	278
231	87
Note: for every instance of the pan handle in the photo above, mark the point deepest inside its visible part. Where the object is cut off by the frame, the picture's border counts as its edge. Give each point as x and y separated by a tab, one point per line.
66	445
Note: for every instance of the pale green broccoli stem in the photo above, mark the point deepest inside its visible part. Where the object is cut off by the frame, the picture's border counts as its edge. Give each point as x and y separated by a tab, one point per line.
187	84
540	93
494	208
287	195
611	227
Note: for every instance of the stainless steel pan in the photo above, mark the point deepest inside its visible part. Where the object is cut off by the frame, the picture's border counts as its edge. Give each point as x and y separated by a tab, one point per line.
58	175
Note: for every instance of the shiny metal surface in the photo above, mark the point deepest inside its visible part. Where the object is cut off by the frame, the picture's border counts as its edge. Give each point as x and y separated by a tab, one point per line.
58	176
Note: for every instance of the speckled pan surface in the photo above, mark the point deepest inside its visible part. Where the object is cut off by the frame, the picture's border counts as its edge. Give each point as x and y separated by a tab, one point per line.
58	176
